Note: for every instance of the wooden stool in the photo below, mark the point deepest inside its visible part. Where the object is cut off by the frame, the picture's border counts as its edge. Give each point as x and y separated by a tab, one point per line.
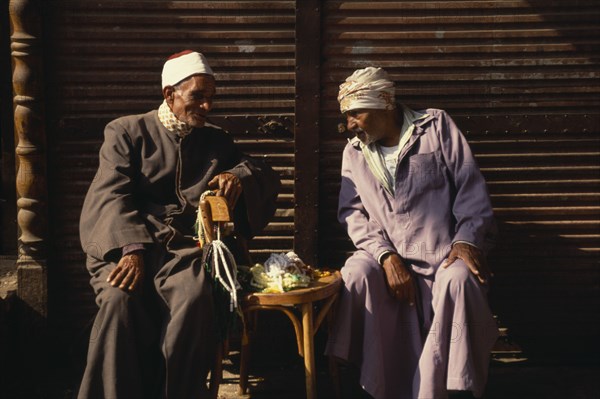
324	289
215	211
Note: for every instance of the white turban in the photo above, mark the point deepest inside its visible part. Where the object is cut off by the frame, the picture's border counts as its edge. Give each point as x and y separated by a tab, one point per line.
182	65
368	88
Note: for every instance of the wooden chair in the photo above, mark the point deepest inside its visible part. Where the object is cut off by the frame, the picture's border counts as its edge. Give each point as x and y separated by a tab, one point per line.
215	212
324	291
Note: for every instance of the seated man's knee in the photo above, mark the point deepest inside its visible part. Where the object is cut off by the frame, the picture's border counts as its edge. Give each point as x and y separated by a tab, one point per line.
360	271
457	274
116	300
192	299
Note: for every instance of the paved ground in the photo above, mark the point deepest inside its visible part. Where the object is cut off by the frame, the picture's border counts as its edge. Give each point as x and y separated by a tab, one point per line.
277	372
8	275
516	381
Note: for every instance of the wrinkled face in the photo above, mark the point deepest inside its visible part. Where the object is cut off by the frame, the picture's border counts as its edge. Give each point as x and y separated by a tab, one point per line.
366	124
191	100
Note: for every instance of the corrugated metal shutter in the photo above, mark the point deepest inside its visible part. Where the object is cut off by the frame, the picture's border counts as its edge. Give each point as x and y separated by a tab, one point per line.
104	60
521	80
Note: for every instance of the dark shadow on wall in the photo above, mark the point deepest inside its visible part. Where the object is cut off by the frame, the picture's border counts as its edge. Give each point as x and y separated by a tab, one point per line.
545	290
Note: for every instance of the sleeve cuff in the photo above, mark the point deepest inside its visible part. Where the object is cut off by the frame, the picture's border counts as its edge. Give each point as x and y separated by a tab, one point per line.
129	248
380	257
465	242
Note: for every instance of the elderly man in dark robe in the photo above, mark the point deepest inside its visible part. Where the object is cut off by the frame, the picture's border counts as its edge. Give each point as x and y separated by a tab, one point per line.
155	334
413	315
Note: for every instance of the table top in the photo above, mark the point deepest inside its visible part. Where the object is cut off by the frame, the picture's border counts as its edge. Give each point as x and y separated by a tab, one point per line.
318	289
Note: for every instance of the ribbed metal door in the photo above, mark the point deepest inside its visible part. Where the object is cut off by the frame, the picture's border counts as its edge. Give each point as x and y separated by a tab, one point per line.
521	80
104	60
519	77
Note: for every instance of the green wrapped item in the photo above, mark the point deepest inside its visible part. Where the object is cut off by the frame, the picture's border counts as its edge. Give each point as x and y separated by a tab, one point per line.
280	273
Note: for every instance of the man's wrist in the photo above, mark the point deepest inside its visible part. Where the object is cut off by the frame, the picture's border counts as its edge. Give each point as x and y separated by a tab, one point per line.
383	257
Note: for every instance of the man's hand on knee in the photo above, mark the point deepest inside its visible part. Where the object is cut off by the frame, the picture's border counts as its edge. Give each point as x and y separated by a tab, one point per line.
473	258
129	272
399	280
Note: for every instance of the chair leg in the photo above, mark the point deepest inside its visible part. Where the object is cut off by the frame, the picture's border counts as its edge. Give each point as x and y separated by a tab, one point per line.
245	350
216	374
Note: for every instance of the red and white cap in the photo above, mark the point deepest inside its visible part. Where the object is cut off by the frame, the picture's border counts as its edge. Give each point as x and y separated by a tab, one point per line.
182	65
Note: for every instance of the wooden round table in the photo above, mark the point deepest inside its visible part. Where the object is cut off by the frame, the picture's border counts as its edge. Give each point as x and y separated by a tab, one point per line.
325	289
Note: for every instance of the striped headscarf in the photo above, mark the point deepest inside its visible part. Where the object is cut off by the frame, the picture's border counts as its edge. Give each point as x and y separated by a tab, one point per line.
368	88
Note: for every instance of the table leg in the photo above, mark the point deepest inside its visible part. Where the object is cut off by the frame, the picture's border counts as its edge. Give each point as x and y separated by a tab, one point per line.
309	353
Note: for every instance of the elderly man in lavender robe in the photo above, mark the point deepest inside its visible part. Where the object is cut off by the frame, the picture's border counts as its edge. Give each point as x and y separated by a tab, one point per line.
155	335
413	315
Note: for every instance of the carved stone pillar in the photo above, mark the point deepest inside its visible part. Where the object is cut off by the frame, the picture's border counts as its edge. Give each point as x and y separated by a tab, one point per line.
28	89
